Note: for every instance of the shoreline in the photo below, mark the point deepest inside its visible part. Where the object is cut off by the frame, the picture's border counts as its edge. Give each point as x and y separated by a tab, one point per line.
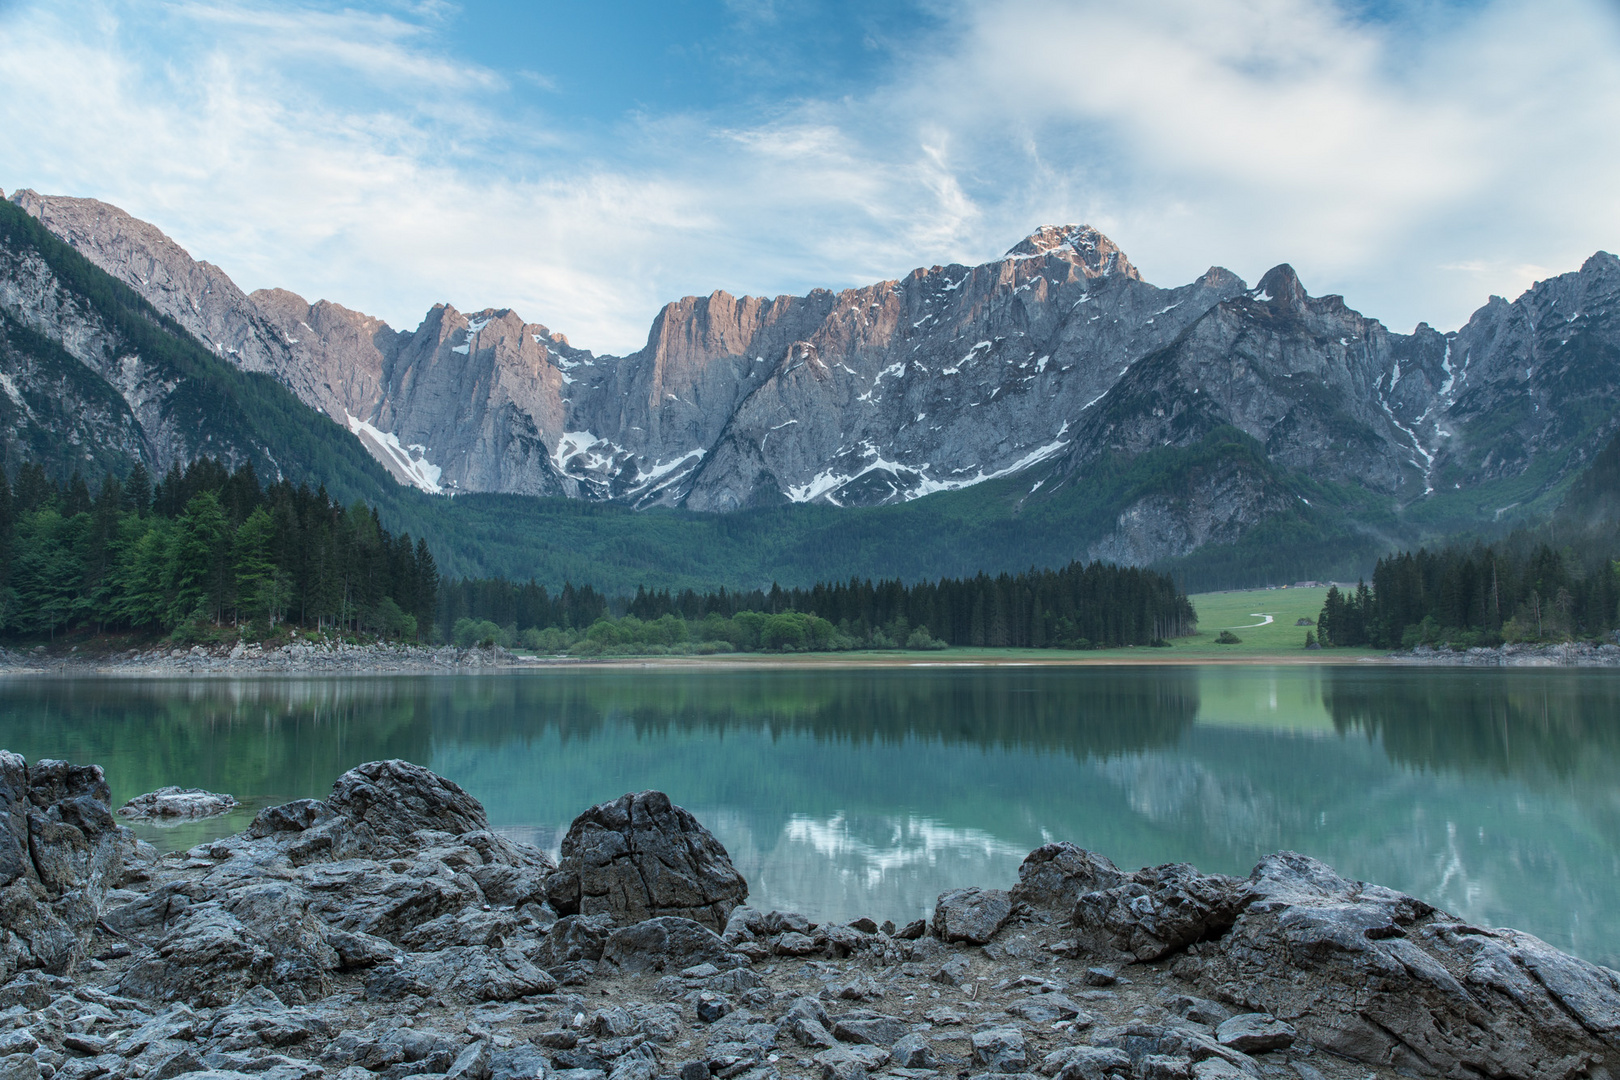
385	932
379	660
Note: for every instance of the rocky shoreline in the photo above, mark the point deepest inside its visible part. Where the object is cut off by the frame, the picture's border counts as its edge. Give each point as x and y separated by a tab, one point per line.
1570	654
244	658
387	932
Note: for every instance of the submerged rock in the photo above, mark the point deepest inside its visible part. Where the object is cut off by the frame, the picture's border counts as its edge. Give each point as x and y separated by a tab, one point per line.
177	803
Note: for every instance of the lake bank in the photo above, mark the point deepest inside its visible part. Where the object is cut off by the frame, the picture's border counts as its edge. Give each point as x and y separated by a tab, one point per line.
386	932
339	658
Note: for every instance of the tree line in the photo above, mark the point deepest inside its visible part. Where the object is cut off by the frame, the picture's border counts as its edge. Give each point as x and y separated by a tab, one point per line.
1523	589
1095	605
203	549
207	552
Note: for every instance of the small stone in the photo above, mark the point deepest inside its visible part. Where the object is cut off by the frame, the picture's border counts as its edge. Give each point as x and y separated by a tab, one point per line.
88	1045
913	1052
1001	1049
850	1062
712	1006
1255	1033
694	1070
954	972
911	931
794	943
1100	976
557	1040
1164	1067
176	803
870	1029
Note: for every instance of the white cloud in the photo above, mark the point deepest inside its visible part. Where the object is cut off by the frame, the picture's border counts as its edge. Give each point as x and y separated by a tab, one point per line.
1414	166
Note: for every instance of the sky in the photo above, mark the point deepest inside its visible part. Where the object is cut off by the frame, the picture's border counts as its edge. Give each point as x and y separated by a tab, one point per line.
584	163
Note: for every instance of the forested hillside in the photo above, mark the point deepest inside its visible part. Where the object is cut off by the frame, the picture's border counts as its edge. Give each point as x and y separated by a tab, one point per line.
201	554
1520	590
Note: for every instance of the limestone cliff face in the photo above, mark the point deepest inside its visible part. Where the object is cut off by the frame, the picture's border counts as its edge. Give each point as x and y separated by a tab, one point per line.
329	356
1044	361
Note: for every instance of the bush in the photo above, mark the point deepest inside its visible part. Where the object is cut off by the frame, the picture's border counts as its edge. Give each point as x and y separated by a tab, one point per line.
480	632
920	638
1228	638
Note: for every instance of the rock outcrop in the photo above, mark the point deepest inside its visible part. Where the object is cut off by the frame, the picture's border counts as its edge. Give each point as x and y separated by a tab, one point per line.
640	857
386	932
60	853
1384	978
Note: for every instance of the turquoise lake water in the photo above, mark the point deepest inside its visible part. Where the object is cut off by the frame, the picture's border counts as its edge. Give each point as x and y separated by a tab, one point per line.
1492	794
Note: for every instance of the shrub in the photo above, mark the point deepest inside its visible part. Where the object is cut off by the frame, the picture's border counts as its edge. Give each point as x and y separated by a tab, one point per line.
1228	638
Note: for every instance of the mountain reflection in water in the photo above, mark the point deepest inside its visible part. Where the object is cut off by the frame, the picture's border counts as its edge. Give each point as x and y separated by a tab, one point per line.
848	792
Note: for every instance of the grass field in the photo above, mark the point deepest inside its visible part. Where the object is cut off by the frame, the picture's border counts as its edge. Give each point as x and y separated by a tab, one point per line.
1244	613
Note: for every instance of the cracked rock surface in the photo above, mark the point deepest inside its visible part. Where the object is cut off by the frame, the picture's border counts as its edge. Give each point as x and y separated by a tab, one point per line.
386	932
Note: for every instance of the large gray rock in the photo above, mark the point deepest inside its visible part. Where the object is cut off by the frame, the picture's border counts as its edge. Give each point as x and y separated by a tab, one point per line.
1055	875
393	799
1381	977
1158	911
971	915
464	974
666	943
60	851
640	857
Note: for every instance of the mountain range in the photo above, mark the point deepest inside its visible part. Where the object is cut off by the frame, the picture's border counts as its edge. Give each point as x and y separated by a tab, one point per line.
1050	403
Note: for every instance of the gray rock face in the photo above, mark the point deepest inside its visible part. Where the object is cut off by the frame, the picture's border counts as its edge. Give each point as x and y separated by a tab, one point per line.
1158	911
394	799
1384	978
60	851
1254	1033
1055	875
971	915
663	942
640	857
395	873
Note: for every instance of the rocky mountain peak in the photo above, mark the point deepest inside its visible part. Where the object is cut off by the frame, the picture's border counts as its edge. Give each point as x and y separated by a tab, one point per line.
1281	287
1090	250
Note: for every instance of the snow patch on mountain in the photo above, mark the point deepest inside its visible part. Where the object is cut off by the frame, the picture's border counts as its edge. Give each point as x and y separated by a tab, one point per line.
408	464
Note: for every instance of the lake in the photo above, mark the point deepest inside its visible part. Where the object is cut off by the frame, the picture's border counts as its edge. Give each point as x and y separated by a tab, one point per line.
1494	794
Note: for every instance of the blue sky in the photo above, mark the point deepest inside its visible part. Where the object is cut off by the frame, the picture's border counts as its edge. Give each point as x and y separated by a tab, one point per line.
583	163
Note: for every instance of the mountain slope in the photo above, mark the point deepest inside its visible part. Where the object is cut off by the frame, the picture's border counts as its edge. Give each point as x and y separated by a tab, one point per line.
95	379
1050	404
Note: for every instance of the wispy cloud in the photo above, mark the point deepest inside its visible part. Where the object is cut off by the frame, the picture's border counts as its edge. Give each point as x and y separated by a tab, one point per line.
1414	164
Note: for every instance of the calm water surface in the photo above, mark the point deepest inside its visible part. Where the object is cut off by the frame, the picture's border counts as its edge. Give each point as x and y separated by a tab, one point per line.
1493	794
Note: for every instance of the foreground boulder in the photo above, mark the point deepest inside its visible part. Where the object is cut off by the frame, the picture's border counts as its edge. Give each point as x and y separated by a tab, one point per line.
640	857
1055	875
396	871
60	851
332	939
1158	911
1384	978
973	916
